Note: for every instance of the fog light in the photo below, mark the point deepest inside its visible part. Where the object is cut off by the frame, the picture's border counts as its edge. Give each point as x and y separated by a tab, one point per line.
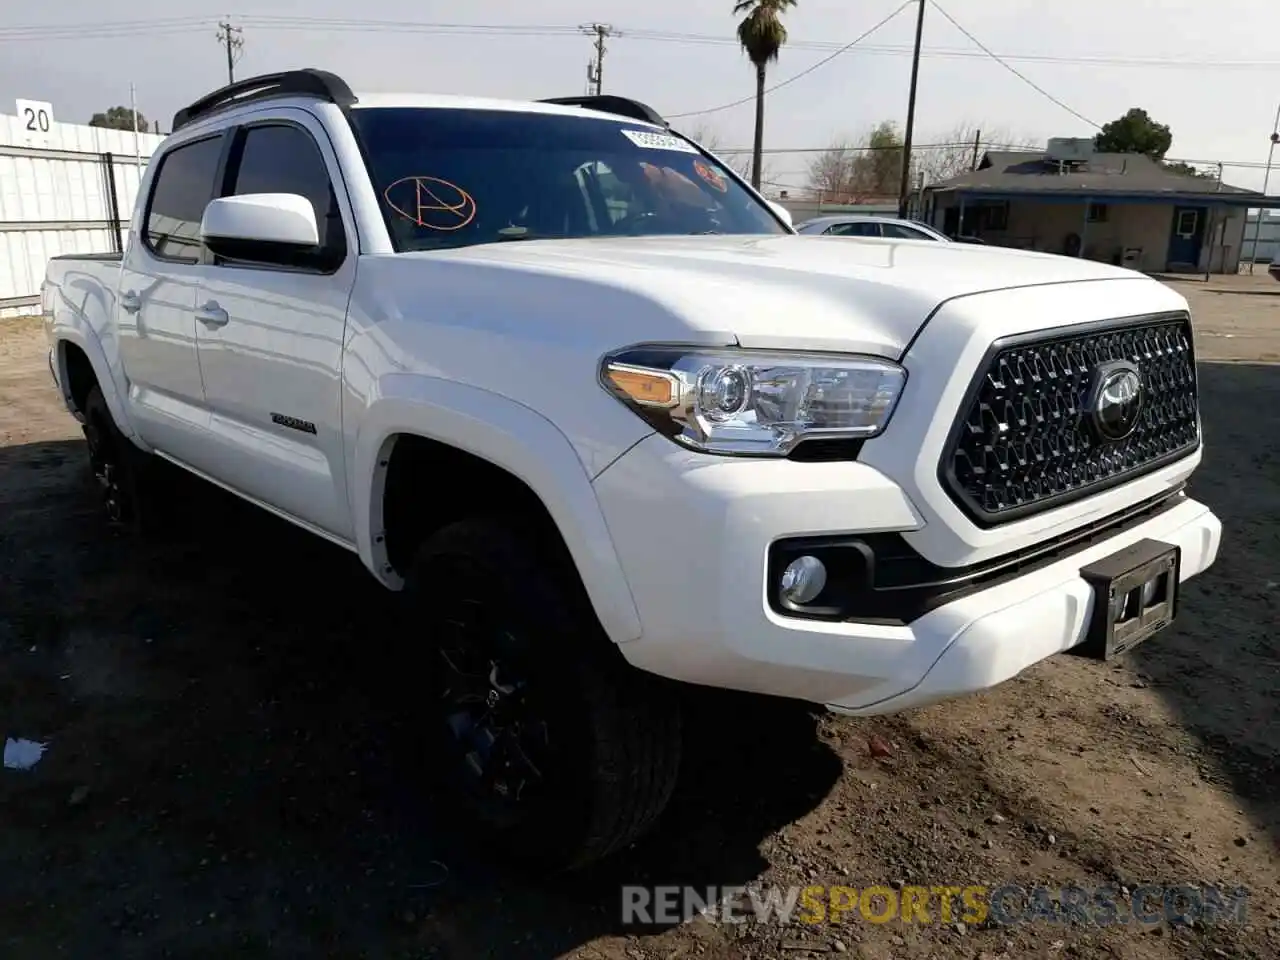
803	580
1149	592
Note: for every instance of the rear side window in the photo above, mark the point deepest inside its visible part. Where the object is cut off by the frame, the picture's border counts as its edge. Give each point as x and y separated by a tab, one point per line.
855	230
282	158
900	232
182	189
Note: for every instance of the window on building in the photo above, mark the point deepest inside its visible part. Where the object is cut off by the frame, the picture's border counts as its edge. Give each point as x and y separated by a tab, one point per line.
990	215
1097	213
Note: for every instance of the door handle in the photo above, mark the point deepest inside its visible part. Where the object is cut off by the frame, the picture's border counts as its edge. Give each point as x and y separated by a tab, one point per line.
212	315
130	302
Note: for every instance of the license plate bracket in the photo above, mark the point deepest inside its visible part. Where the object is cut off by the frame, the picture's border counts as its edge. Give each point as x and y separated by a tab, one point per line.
1120	620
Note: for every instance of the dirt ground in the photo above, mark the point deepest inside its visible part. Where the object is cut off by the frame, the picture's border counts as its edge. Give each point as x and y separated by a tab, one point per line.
232	764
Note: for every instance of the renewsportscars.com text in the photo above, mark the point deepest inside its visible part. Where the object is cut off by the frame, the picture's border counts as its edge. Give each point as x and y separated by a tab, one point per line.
974	904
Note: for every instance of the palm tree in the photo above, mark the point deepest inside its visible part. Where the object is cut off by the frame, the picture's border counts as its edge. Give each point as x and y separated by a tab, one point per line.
762	34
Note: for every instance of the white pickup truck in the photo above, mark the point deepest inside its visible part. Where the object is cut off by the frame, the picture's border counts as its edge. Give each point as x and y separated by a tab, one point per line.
659	438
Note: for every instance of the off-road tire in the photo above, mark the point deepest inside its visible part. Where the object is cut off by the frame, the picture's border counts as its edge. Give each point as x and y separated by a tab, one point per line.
616	732
124	474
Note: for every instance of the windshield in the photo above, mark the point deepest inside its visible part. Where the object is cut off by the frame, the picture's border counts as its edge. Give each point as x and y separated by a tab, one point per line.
449	178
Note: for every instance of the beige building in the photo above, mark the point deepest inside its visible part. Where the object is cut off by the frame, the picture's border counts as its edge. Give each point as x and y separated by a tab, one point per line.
1125	209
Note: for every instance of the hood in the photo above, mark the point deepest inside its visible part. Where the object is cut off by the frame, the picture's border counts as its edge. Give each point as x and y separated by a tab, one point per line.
793	292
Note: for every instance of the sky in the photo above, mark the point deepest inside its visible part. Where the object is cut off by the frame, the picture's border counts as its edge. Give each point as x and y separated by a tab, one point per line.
1210	71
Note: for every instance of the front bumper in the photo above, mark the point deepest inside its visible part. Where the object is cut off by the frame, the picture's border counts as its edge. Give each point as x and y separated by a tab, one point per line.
693	535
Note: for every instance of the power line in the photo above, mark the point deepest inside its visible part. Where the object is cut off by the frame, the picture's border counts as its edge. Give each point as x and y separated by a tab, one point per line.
802	73
39	31
736	151
108	29
960	144
1014	70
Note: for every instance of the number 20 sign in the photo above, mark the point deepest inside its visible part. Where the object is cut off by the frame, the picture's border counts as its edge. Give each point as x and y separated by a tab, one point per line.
35	119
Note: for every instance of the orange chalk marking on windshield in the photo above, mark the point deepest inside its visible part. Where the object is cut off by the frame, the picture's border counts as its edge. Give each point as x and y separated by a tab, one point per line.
711	176
426	200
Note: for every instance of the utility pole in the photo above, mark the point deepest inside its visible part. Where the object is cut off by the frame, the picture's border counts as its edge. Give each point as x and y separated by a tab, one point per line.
1266	182
137	141
905	185
595	74
977	145
233	38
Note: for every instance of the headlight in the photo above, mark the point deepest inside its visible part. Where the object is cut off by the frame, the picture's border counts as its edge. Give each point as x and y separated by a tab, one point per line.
751	403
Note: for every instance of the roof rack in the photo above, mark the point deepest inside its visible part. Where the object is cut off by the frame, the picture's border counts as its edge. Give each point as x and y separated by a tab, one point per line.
621	106
291	83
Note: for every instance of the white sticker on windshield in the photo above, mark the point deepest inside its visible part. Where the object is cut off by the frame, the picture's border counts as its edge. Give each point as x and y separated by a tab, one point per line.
658	141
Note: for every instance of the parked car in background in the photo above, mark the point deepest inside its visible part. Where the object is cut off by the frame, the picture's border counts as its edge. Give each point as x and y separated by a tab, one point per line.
858	225
862	225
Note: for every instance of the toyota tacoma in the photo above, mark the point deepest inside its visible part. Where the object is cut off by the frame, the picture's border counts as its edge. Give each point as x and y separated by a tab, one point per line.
615	432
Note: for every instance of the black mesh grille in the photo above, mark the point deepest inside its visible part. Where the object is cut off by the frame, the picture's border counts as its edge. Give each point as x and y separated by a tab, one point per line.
1025	442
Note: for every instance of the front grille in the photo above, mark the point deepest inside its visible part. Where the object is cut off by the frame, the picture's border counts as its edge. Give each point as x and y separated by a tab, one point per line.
1025	440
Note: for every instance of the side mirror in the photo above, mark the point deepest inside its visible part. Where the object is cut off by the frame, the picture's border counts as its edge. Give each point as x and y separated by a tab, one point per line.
260	226
782	212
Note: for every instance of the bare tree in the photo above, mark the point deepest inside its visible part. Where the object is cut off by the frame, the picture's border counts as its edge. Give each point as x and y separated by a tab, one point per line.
960	149
853	171
709	137
832	172
705	134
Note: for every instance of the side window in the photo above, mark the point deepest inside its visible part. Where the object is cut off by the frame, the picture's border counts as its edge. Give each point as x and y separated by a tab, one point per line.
183	188
855	230
281	158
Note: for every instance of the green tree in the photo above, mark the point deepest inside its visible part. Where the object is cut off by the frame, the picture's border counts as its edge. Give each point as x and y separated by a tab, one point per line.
880	168
762	35
1186	169
1135	132
119	118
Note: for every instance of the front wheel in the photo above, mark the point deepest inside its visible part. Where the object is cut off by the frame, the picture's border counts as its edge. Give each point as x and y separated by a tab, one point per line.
552	749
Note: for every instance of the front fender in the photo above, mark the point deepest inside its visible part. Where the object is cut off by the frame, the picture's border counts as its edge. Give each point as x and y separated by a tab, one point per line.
508	435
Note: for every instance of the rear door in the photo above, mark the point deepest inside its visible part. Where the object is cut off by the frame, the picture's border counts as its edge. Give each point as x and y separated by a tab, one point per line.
157	297
271	335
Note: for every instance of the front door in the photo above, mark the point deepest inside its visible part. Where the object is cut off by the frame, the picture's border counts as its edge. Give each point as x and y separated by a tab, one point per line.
271	337
1186	237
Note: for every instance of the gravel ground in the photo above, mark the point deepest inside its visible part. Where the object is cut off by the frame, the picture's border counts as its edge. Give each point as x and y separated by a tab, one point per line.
230	769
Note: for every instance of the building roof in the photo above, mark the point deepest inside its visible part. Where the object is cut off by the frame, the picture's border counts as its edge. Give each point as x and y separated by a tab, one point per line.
1104	173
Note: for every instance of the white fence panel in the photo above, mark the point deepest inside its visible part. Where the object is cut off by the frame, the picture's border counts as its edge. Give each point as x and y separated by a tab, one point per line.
76	137
55	199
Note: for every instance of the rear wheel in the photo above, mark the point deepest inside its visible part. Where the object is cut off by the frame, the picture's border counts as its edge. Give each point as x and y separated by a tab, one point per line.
553	750
120	469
